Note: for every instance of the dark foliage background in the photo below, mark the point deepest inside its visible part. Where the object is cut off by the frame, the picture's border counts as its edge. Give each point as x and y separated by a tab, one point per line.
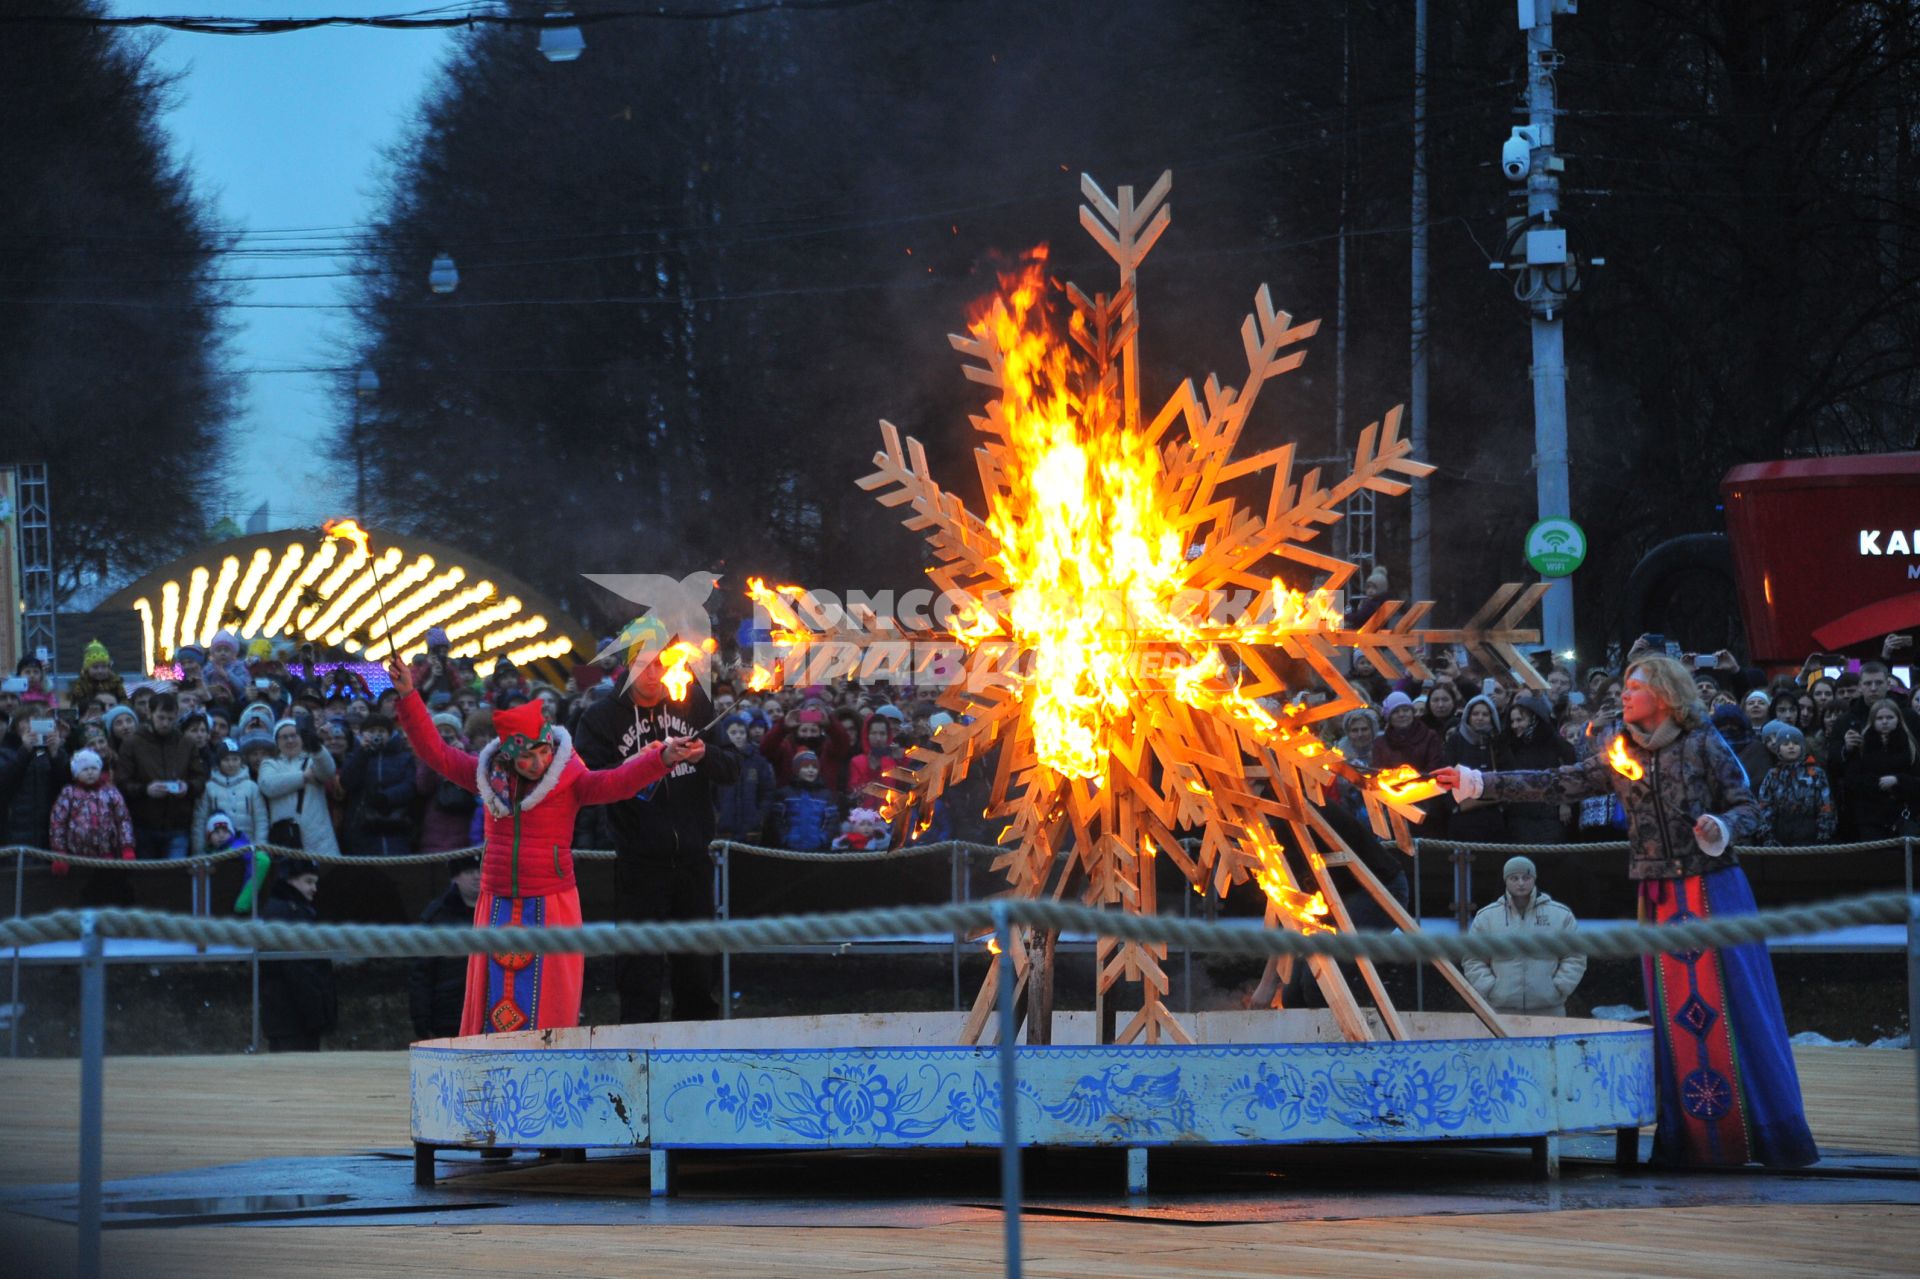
697	264
111	367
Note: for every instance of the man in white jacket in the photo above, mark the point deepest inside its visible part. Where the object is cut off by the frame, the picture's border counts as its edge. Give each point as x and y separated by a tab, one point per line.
1534	987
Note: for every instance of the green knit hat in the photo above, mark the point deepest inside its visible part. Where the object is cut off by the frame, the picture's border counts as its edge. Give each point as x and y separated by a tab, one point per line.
95	654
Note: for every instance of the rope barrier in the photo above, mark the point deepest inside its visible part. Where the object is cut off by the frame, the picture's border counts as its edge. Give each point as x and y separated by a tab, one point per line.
859	854
201	860
385	941
1622	846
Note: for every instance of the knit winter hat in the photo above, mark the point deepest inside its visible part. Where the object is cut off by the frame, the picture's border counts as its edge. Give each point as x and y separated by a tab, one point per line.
85	759
805	757
1394	702
1516	865
1757	695
220	819
939	720
447	720
95	654
106	721
437	637
1780	733
892	712
194	651
228	638
260	649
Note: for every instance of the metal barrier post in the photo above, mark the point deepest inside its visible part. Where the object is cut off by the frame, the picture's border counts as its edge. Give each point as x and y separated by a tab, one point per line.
1913	984
1463	888
954	855
1010	1196
253	957
1186	952
13	993
93	1047
1419	970
723	899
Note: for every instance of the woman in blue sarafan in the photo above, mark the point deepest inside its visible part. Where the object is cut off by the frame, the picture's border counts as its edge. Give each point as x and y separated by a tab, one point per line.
1727	1090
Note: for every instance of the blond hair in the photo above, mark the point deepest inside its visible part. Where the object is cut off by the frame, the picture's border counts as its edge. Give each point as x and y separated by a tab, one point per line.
1673	685
1899	723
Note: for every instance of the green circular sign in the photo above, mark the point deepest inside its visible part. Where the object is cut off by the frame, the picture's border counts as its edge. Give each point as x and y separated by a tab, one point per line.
1556	547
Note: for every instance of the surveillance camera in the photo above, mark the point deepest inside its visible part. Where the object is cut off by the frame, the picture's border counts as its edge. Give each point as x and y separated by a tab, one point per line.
1516	153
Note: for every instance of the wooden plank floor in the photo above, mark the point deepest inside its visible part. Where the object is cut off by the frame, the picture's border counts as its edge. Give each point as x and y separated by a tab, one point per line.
175	1113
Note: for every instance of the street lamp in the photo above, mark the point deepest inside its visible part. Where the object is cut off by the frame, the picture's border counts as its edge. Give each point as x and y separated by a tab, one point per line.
561	44
444	277
365	386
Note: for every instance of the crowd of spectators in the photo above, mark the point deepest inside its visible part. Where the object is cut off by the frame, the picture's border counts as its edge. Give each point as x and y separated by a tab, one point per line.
1831	756
271	746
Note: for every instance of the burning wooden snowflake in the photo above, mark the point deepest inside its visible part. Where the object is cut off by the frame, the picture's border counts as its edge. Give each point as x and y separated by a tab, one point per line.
1130	701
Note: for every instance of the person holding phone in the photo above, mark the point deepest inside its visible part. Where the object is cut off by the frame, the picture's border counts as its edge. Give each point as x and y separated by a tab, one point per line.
33	769
294	781
161	773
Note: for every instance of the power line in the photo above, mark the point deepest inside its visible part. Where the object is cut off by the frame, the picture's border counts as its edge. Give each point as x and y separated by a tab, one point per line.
428	19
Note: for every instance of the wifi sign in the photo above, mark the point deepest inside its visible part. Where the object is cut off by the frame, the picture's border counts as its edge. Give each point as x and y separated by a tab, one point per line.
1556	547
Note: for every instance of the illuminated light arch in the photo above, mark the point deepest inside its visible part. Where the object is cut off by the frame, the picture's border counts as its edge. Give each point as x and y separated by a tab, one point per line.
299	585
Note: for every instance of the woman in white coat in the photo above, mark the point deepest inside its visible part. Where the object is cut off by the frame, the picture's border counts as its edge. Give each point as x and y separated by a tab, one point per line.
294	782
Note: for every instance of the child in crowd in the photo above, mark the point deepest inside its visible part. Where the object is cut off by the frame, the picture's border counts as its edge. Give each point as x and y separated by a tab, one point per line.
881	754
96	676
805	811
90	819
863	829
741	806
1796	798
230	791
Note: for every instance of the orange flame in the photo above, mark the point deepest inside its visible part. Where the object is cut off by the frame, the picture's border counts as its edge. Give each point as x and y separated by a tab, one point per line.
676	665
1403	784
1307	910
348	531
1624	764
993	947
763	680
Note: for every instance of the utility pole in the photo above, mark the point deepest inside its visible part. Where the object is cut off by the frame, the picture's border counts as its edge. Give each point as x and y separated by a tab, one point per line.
1545	279
1420	523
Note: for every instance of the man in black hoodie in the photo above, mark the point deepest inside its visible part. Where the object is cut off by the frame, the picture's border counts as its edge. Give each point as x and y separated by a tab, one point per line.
661	834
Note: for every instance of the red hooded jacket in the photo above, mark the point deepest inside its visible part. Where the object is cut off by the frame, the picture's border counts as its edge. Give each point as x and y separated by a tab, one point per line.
529	850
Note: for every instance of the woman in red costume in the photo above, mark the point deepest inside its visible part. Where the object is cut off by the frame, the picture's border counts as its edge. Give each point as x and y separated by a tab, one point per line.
532	786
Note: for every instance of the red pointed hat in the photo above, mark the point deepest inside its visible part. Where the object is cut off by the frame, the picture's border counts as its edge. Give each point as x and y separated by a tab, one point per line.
525	720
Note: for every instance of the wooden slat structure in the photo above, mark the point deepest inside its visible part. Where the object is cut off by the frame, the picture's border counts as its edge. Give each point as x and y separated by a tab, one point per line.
167	1113
1172	702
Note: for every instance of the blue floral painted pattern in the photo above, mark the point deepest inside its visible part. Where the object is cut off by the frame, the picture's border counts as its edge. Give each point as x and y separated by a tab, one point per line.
560	1103
1395	1096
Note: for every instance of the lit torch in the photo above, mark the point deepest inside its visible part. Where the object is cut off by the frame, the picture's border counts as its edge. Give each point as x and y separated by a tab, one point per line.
1404	785
1624	764
676	665
350	531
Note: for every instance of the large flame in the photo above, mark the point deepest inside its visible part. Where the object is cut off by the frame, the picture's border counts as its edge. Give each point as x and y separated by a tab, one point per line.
1091	552
1624	764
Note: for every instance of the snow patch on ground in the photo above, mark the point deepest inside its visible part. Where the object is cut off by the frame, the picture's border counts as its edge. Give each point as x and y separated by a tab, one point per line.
1814	1039
1620	1012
